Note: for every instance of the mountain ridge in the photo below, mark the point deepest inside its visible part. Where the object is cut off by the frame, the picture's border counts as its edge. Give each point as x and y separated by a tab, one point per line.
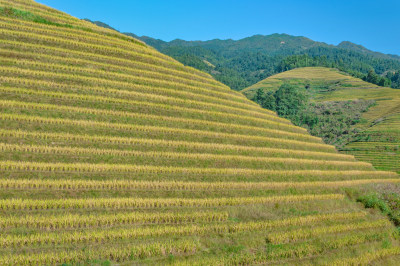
342	44
244	62
358	47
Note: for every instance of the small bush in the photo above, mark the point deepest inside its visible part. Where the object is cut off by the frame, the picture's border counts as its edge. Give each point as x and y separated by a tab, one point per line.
372	201
387	205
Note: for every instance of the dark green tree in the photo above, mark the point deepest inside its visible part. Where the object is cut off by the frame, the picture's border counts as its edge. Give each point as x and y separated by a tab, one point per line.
291	101
269	101
372	77
259	98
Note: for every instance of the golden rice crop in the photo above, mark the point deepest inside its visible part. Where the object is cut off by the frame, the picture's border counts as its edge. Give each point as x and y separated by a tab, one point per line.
117	62
71	221
99	236
298	251
122	203
61	17
112	62
178	121
306	249
176	145
138	69
200	135
105	50
367	257
90	30
49	31
77	78
46	13
295	221
212	158
102	76
73	40
99	74
300	234
135	90
88	38
111	150
136	75
158	108
192	146
149	169
119	253
65	184
34	5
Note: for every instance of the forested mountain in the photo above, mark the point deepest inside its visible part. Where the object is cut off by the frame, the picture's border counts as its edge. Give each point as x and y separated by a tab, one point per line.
242	63
359	48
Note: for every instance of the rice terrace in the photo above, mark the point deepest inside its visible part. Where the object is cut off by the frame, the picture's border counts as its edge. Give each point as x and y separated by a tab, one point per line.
378	137
113	153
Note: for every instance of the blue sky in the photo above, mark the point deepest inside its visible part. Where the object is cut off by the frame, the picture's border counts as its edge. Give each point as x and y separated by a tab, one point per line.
374	24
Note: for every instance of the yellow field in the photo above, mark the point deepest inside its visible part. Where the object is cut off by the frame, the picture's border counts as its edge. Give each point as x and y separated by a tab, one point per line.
111	152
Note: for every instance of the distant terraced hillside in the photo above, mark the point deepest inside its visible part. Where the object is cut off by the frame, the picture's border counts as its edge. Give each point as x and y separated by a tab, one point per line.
316	76
379	143
111	151
379	139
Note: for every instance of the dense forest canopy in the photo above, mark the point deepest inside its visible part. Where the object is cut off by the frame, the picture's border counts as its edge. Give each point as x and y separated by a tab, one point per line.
242	63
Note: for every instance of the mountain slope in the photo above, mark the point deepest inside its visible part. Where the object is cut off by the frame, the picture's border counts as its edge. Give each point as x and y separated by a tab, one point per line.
378	135
359	48
113	151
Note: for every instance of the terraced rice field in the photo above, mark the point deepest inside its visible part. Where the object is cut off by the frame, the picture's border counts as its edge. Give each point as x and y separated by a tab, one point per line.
378	142
313	75
111	151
